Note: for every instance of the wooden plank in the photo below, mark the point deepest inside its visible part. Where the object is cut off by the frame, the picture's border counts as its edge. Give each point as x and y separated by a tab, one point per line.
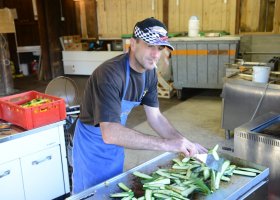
123	15
113	8
91	22
276	24
83	19
138	14
270	16
101	17
233	18
250	10
212	15
165	89
159	11
183	21
131	17
173	16
165	11
147	9
224	16
218	15
78	17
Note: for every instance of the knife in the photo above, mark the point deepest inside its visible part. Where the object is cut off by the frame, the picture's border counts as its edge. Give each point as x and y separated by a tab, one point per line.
210	161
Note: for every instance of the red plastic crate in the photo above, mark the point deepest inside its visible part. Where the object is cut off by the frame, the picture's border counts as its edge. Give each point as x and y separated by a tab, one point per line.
32	117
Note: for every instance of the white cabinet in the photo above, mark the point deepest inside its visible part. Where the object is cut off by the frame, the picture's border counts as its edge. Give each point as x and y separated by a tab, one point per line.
33	164
11	185
85	62
42	174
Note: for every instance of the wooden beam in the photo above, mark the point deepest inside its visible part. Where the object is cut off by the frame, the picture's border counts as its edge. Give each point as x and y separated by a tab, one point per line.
237	16
276	24
83	18
44	72
165	10
49	18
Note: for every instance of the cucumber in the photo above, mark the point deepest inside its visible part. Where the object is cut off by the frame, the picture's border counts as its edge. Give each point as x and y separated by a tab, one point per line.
225	178
142	175
148	194
158	182
178	161
214	152
121	194
248	169
186	159
219	174
124	187
244	173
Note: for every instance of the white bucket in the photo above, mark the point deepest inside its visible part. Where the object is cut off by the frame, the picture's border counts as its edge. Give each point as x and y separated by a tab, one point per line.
193	26
261	74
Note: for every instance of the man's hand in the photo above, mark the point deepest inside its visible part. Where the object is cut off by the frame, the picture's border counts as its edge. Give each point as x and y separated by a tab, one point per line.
200	148
190	149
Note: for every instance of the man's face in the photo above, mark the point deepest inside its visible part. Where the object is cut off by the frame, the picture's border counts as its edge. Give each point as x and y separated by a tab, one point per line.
146	55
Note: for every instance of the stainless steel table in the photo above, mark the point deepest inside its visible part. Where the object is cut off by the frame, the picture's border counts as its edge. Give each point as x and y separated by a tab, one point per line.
245	100
258	141
240	187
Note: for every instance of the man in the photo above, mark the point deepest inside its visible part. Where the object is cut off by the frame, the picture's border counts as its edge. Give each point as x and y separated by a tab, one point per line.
113	89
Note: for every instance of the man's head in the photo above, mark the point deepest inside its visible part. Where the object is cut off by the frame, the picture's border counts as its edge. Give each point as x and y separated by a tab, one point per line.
153	32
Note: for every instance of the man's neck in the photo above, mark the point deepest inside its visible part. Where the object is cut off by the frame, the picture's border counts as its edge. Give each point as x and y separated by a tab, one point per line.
135	65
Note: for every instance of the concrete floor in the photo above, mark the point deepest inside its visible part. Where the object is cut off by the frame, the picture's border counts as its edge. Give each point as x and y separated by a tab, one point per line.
198	117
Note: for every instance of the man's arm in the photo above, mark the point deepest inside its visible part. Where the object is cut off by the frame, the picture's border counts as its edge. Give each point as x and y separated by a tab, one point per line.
165	129
160	124
115	133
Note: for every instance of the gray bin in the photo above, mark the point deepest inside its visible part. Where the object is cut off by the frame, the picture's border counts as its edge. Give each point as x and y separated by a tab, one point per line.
201	62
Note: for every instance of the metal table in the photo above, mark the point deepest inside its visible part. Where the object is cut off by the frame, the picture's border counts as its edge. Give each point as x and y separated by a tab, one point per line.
259	141
245	100
239	187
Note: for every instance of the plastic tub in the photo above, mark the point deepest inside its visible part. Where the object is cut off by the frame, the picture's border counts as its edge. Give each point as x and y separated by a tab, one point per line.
31	117
193	26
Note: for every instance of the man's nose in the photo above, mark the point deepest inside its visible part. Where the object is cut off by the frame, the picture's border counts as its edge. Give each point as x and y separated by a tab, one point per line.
156	52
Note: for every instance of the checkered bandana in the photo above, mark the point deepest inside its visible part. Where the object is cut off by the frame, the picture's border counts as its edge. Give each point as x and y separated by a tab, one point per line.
152	32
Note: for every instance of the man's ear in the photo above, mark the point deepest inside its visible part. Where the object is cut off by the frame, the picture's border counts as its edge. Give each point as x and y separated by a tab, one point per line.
132	43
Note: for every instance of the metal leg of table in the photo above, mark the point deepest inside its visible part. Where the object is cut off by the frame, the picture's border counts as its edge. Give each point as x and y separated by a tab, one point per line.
227	134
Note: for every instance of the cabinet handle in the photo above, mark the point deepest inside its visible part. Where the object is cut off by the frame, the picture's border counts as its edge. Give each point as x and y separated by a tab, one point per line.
37	162
6	173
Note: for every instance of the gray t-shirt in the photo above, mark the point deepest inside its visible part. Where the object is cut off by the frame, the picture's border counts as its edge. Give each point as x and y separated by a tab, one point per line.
103	93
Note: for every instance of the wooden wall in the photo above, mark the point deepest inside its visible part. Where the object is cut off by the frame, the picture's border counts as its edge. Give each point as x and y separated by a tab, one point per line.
259	15
214	15
109	19
117	17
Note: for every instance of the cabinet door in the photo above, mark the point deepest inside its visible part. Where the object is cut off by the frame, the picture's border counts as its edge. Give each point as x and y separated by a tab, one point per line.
43	174
11	185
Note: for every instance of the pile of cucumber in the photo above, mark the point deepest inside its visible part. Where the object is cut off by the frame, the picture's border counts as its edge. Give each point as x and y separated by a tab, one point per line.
186	176
35	102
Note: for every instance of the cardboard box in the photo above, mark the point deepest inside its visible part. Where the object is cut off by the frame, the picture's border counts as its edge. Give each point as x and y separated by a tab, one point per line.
76	47
71	39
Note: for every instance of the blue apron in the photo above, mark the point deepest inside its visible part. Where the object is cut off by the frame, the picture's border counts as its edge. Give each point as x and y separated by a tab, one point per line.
94	161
